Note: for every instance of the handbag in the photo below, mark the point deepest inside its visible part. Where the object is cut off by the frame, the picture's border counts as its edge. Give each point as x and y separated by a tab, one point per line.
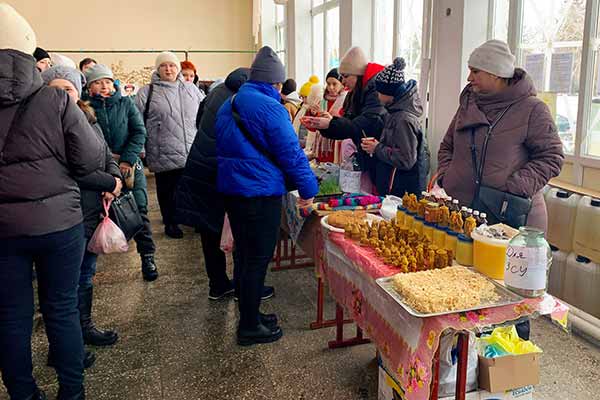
500	207
124	212
290	186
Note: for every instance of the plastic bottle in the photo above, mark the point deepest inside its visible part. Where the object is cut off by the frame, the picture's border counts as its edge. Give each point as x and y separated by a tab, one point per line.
484	220
562	212
464	251
586	235
582	279
557	277
528	261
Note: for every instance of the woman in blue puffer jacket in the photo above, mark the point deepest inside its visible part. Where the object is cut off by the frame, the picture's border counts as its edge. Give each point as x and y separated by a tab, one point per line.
258	158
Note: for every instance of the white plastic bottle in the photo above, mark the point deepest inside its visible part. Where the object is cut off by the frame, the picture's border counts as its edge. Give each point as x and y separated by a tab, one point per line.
582	280
562	211
586	236
556	279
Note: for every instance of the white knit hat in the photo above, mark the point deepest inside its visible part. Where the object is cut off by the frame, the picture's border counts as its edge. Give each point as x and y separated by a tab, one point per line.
166	56
15	31
494	57
354	62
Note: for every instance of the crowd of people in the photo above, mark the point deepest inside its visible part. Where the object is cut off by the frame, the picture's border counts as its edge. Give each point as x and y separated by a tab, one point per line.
70	141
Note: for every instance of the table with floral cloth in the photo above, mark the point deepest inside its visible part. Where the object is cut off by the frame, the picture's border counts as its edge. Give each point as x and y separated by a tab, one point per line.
406	343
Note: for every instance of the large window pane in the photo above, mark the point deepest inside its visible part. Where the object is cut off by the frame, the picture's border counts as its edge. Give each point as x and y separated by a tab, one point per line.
410	30
551	52
592	144
383	31
317	45
500	23
333	39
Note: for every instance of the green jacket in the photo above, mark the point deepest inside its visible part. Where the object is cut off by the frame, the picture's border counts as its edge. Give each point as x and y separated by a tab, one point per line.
122	125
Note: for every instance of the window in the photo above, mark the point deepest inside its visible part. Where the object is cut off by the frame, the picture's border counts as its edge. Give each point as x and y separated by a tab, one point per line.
325	36
280	32
383	31
498	27
409	36
550	50
591	144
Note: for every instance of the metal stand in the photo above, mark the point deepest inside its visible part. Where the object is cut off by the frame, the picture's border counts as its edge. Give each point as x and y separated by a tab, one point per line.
320	322
289	256
339	341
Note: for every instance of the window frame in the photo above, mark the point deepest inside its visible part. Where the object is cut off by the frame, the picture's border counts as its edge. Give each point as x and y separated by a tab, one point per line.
591	43
314	11
281	26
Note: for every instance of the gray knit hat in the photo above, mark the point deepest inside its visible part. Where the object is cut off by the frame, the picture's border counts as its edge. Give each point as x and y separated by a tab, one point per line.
267	67
62	72
494	57
97	72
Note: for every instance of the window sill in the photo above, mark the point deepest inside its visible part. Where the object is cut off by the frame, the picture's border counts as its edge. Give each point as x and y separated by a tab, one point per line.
573	188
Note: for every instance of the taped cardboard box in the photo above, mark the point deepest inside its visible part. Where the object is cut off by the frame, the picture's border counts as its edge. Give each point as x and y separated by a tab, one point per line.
509	372
524	393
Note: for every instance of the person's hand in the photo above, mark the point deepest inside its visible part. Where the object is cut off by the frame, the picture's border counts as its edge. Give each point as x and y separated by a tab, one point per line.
118	187
369	144
108	196
325	114
316	122
305	203
126	169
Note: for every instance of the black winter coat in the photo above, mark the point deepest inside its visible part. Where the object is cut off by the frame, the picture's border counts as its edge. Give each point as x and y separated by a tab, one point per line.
49	145
197	200
93	184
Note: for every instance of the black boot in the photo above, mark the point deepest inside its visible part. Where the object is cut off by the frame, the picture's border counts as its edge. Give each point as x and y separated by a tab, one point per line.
37	395
261	334
149	270
268	320
92	335
78	396
89	359
173	231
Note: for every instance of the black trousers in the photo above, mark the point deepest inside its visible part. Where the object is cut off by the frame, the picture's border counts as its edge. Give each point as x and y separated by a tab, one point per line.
143	239
166	185
214	260
255	226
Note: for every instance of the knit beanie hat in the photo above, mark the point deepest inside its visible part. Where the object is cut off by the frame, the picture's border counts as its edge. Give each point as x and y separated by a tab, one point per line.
334	73
289	86
15	31
494	57
267	67
305	89
97	72
67	73
40	54
188	65
354	62
166	56
59	59
391	79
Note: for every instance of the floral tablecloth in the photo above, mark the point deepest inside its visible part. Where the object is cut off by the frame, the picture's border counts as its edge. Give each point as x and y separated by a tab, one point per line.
407	343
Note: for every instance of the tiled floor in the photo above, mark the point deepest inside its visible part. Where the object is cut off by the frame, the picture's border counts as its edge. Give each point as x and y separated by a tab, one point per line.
175	344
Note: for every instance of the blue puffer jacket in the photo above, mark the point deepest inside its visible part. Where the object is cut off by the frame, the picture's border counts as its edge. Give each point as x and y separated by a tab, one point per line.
242	169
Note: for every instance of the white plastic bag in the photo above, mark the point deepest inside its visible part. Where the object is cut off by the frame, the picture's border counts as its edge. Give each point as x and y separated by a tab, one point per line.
448	364
227	236
389	206
108	237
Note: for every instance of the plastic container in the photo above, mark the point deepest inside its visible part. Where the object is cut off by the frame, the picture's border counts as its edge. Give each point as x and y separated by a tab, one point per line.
562	210
428	230
439	237
528	261
464	251
586	235
451	241
582	280
418	225
489	255
557	277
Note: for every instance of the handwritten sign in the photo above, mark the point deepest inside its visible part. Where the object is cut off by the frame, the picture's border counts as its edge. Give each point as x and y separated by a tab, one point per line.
526	268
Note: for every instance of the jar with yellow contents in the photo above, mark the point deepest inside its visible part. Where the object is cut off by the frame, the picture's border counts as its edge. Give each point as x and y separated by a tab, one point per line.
464	250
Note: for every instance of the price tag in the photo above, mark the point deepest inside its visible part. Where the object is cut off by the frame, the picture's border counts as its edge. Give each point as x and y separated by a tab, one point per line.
526	268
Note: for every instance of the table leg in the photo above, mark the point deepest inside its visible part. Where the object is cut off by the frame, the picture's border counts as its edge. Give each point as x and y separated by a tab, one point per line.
461	367
339	341
320	322
289	255
435	376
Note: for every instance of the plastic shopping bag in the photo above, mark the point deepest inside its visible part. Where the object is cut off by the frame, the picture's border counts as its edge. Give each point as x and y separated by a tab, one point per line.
227	236
448	364
108	237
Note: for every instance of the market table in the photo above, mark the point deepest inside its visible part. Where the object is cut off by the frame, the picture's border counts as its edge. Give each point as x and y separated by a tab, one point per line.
408	344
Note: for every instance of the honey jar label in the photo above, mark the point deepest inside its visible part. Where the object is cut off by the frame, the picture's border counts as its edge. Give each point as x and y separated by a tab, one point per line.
526	267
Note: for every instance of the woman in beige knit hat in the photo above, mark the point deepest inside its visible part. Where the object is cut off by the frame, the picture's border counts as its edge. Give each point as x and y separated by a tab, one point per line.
363	113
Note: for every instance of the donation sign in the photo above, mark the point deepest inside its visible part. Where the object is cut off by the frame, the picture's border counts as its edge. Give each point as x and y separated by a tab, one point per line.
526	267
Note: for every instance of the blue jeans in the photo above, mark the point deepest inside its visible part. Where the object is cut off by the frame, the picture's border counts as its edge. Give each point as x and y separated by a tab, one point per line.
57	257
88	269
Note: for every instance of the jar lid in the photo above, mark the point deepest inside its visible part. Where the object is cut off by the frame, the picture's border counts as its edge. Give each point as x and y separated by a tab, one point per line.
561	194
464	238
583	259
553	248
420	218
431	224
451	232
595	203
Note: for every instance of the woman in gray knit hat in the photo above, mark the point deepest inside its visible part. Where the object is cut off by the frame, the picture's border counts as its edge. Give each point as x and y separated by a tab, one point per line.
524	150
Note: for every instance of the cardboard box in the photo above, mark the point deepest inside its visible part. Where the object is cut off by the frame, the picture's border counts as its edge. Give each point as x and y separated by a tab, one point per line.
524	393
509	372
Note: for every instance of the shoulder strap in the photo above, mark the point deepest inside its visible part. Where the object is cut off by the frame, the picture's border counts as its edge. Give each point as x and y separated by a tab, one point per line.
148	99
478	170
240	124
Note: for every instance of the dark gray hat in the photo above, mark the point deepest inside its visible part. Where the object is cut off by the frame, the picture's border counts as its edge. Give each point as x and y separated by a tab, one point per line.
267	67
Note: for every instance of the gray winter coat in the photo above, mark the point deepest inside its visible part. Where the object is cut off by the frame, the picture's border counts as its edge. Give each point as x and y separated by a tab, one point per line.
171	123
42	151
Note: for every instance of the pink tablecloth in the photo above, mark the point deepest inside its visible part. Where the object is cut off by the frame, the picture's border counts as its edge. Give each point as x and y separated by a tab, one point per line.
407	343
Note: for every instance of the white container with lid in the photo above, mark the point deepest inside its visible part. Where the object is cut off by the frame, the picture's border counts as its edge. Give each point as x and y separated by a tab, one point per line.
556	279
582	280
562	212
586	234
